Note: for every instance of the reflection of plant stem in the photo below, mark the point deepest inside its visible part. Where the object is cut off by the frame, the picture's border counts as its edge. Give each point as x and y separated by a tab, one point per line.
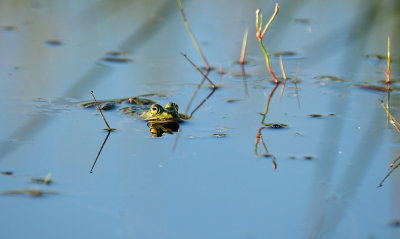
396	125
267	105
244	80
295	84
192	36
194	94
98	154
393	120
244	44
391	170
201	103
284	76
98	107
260	36
259	139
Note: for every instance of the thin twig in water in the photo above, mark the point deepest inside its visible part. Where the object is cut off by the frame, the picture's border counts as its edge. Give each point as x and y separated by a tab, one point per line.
98	107
201	72
192	36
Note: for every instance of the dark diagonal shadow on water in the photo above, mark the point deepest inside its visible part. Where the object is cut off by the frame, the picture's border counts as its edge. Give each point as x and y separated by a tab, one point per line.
324	215
94	76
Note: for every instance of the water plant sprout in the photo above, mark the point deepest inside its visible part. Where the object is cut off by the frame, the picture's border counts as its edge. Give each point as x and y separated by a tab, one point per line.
260	34
244	44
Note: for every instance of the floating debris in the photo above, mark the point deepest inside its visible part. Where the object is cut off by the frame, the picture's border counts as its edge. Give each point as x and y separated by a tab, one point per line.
220	135
315	115
116	57
320	115
376	57
285	54
276	125
309	157
29	192
331	78
9	28
375	88
302	20
233	100
46	180
53	43
8	173
395	223
266	155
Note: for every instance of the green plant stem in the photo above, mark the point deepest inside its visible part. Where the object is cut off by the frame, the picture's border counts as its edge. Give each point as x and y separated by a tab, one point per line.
267	62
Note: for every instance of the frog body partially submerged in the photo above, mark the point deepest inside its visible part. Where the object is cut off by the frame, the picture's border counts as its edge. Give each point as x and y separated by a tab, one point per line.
144	109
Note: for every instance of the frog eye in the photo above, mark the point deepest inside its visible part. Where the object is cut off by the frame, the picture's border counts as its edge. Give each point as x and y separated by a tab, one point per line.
154	109
176	107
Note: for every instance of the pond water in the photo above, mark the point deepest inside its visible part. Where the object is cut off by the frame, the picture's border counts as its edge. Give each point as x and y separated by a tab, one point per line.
208	180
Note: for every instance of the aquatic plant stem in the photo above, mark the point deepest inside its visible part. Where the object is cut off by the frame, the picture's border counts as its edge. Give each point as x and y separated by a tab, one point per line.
391	170
244	44
98	107
201	72
388	80
388	63
260	36
192	36
284	76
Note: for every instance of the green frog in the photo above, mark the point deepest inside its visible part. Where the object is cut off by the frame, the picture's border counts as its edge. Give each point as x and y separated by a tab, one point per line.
160	119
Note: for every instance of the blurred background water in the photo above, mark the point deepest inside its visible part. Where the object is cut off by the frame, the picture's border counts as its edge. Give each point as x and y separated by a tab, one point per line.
52	54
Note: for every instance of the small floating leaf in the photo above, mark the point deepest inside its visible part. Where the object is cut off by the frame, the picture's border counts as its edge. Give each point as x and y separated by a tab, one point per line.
29	192
377	57
308	157
53	43
395	223
9	28
220	135
276	125
233	100
316	115
331	78
7	173
302	20
46	180
374	87
116	57
266	155
285	53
